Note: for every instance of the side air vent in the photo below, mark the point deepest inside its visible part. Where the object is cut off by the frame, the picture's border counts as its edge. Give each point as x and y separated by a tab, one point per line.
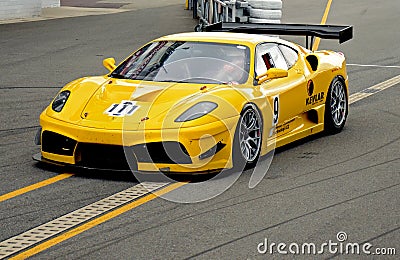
312	115
313	61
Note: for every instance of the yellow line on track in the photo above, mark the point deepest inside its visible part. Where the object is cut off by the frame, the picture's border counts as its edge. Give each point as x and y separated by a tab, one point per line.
97	221
323	21
34	186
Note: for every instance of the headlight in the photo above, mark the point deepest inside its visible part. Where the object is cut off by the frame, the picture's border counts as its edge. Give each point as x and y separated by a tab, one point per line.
60	100
197	111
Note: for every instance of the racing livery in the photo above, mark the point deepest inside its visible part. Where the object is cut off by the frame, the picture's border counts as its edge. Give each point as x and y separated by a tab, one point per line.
198	102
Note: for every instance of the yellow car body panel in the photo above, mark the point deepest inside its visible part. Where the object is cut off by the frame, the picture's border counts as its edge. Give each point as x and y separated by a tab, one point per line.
83	118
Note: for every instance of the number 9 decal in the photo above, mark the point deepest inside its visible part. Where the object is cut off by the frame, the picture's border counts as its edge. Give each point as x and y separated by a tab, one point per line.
275	102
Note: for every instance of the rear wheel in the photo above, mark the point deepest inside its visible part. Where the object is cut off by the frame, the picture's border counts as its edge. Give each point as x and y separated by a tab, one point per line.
248	138
336	107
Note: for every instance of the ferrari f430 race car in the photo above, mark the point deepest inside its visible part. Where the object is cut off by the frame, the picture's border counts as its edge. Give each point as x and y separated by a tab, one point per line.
201	101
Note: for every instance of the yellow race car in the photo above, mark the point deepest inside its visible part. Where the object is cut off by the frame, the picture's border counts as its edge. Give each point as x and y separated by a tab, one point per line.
199	102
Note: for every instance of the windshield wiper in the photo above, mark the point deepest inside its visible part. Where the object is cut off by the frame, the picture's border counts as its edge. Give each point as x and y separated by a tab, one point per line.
195	81
118	76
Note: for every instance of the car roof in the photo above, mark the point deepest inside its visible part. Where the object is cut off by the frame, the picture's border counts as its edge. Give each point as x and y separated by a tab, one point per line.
224	37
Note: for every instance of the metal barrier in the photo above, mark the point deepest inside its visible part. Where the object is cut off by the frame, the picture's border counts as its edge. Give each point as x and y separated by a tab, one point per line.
214	11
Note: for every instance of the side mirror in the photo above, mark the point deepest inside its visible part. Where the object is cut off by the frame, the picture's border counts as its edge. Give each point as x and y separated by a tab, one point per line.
272	73
109	64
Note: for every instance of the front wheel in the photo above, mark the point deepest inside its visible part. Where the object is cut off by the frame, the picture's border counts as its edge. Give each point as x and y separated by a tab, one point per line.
336	107
248	138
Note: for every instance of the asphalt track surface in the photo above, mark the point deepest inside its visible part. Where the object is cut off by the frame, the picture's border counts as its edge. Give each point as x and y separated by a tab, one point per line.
347	182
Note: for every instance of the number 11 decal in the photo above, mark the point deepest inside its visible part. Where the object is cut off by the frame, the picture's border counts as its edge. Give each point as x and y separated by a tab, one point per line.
125	108
275	106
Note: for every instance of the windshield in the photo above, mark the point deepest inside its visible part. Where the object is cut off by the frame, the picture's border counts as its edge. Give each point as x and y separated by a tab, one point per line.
194	62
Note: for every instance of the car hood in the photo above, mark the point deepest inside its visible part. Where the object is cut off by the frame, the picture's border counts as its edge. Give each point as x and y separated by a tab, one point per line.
115	104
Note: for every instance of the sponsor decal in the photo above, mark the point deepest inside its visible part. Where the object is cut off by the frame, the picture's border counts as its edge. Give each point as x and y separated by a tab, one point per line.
310	87
314	99
283	127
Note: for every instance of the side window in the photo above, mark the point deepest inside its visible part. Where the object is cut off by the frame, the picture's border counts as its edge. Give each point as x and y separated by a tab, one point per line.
290	54
268	55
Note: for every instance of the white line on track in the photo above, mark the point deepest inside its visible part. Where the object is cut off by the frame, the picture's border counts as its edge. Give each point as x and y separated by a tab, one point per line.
38	234
375	66
374	89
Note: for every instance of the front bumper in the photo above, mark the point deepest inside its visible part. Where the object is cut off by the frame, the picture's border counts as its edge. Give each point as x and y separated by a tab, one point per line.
185	150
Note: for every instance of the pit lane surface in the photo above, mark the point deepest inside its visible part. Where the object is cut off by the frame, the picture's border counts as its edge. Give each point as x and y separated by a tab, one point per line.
348	182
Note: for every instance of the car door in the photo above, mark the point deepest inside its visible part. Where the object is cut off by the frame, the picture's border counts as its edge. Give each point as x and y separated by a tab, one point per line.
286	95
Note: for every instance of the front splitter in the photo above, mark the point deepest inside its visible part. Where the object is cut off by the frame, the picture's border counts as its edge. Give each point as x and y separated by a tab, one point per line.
39	158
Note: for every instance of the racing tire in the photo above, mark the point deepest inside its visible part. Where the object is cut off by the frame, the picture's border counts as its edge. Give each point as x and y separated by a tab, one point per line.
336	107
266	4
248	138
260	20
266	14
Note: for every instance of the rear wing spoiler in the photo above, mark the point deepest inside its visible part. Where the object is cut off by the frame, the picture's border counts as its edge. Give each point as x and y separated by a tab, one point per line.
341	32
